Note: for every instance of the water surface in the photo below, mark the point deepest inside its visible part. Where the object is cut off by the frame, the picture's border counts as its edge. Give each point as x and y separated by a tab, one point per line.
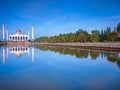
53	68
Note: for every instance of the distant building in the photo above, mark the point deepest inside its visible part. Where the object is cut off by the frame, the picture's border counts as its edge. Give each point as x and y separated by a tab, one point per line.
18	36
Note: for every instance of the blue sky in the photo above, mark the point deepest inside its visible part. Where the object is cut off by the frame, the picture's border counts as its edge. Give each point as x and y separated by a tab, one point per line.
52	17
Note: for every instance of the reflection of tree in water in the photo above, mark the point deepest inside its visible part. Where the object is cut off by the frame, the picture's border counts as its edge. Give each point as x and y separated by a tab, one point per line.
118	63
103	54
80	53
94	55
65	51
61	50
0	46
43	48
114	57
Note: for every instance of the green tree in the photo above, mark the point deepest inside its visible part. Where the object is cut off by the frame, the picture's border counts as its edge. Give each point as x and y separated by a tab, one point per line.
76	36
101	36
118	30
81	35
118	27
85	38
94	37
113	36
71	37
96	32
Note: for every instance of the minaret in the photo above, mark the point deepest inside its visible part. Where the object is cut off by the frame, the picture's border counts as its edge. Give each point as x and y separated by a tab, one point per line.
32	32
7	34
28	34
3	29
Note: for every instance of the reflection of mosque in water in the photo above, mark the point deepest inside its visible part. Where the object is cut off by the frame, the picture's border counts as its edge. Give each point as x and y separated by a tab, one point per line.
18	51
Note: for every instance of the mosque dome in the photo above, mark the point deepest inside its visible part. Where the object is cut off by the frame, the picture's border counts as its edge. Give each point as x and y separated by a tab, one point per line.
18	31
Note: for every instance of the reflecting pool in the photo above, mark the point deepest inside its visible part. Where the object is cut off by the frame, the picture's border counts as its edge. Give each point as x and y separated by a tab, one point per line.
58	68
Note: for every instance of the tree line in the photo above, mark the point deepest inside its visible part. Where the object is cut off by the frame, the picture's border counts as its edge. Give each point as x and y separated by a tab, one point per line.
81	35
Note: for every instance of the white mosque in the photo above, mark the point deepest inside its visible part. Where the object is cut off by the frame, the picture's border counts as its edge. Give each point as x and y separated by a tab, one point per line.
19	49
18	36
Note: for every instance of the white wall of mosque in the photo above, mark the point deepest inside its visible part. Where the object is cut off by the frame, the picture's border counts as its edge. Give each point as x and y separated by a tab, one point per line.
18	37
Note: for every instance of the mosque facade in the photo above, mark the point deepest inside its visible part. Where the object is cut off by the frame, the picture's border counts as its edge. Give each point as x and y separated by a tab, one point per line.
18	36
